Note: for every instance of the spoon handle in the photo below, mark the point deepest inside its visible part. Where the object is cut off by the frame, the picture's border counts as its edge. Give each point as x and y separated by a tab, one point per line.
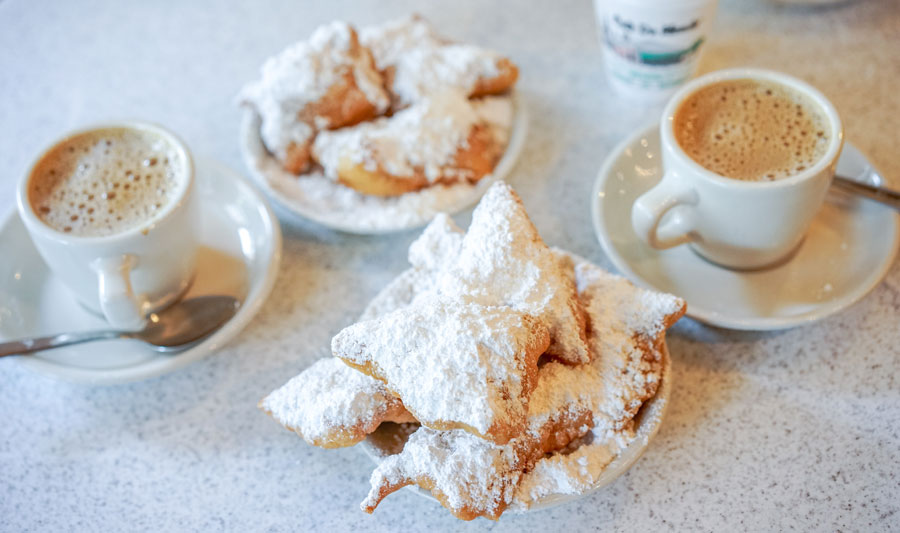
36	344
882	195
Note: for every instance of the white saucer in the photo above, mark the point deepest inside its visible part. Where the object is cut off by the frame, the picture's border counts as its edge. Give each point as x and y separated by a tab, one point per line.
341	208
240	251
848	250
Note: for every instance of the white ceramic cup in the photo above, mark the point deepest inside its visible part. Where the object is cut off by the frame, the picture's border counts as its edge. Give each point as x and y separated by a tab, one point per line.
735	223
130	274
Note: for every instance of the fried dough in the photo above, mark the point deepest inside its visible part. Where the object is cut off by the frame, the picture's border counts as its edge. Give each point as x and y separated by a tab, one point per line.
473	477
454	365
326	82
330	405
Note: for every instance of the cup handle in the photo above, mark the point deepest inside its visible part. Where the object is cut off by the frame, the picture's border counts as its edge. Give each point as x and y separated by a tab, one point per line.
649	209
117	299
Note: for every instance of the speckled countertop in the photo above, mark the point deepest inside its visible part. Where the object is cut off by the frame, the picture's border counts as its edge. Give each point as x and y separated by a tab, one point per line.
797	429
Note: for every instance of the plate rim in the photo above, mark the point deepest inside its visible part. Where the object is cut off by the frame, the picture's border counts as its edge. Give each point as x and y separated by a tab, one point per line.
249	136
157	366
701	314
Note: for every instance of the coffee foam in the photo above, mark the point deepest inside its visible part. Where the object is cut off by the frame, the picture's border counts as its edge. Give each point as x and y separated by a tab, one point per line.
751	130
104	182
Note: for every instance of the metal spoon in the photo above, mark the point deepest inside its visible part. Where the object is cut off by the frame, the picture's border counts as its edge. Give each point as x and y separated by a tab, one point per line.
175	328
882	195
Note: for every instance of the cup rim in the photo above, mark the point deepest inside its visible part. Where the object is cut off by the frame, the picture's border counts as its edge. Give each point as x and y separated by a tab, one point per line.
667	134
34	222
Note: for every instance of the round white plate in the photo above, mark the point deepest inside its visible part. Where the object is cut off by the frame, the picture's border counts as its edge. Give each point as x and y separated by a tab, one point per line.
344	209
847	252
389	438
240	251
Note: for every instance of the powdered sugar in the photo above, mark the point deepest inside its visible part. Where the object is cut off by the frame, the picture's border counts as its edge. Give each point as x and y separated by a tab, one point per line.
389	41
625	372
454	365
609	296
421	63
438	244
574	473
503	261
424	137
467	473
422	71
625	323
301	75
398	293
331	404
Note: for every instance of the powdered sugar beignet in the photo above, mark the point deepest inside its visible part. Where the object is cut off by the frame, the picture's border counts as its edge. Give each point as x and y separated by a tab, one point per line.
441	139
473	477
332	405
454	365
326	82
502	260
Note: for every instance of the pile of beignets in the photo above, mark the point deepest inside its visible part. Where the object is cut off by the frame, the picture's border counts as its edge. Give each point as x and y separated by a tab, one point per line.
387	110
503	351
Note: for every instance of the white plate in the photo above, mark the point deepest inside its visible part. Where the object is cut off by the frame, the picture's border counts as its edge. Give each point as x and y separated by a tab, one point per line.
341	208
383	443
240	251
847	252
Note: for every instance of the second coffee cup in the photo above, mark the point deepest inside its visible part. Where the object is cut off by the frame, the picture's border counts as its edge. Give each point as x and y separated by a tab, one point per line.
748	155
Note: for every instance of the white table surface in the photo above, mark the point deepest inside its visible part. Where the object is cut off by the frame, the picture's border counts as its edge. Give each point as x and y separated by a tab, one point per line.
797	429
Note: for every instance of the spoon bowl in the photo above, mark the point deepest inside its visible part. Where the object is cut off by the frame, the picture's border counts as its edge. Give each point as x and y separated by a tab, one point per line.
186	322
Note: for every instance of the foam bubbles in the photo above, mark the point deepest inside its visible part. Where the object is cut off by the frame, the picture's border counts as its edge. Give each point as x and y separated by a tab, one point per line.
104	182
751	130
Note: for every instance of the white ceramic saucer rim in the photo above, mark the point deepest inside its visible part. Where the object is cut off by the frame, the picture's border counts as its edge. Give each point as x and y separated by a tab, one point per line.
700	313
250	140
252	303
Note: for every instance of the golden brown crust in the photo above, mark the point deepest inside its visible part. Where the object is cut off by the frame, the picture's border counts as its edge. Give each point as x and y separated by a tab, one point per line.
298	158
472	162
343	104
377	182
507	75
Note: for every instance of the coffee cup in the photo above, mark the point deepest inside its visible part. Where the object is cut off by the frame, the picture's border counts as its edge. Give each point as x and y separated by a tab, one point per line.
748	156
109	210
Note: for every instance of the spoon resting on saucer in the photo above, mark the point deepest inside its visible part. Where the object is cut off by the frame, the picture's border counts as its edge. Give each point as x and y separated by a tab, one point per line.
175	328
882	195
